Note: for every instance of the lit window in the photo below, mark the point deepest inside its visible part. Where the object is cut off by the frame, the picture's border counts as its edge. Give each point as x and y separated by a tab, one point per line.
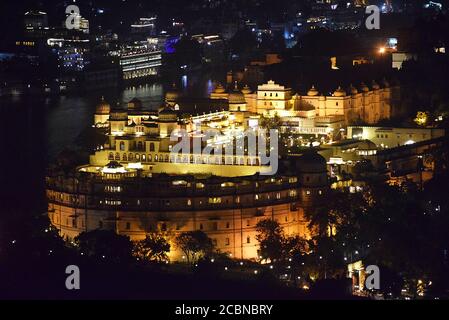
248	240
227	242
308	192
215	200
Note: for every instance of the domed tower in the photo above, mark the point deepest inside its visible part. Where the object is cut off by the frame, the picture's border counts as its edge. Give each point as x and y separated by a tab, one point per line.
311	168
364	87
102	112
312	92
236	100
246	90
118	119
168	121
339	92
219	92
353	90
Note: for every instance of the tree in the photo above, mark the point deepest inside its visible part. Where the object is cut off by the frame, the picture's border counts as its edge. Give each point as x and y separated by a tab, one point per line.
194	244
153	248
105	244
270	122
271	239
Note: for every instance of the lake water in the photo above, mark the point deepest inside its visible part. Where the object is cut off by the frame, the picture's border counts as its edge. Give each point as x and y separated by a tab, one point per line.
35	129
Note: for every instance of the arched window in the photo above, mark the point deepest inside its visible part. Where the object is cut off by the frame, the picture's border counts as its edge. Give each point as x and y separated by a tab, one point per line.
122	146
149	158
137	157
111	156
144	157
151	146
117	156
139	145
130	157
125	158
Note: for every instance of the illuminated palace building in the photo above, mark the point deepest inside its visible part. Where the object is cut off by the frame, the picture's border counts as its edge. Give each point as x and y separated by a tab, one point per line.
362	103
134	185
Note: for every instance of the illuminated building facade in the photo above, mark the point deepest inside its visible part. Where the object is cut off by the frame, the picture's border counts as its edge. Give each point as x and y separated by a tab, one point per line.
134	185
365	104
140	64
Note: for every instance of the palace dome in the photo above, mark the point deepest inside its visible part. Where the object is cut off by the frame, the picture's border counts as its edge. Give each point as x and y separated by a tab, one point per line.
312	92
385	83
311	162
375	85
339	92
353	90
364	87
236	97
246	89
103	107
219	88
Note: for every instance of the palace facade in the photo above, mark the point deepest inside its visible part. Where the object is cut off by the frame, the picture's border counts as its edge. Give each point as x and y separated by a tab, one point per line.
354	104
133	184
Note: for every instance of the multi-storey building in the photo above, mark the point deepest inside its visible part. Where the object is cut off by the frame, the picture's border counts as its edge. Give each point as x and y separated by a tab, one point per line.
134	184
140	63
368	105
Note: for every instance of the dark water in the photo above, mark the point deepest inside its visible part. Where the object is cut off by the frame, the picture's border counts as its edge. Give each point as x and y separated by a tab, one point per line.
35	129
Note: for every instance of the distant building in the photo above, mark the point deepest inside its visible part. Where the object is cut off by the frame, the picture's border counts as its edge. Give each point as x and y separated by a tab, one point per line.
35	20
368	105
141	63
400	57
390	137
